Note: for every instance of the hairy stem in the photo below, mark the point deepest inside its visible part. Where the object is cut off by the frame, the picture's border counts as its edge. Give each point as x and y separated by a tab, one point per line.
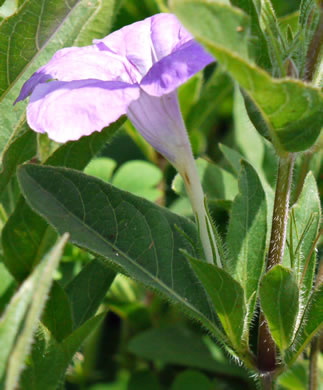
266	359
314	372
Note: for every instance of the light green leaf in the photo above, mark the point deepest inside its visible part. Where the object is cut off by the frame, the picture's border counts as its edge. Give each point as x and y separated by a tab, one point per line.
311	323
288	110
87	290
227	296
21	317
246	239
134	235
7	287
140	178
296	378
101	167
304	220
279	297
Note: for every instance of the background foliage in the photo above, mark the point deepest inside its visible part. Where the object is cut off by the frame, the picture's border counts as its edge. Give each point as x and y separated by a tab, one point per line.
101	328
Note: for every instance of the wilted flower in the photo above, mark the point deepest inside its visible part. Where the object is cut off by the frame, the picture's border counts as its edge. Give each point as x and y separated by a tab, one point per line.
135	71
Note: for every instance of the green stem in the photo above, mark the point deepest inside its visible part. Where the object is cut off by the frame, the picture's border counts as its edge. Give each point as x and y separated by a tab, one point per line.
266	360
314	372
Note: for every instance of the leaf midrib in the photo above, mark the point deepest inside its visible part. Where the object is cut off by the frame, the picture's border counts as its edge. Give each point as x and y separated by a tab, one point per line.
173	293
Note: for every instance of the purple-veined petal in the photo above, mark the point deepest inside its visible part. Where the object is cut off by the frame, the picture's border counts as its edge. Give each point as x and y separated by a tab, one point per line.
78	63
132	43
159	121
67	111
146	42
172	71
167	34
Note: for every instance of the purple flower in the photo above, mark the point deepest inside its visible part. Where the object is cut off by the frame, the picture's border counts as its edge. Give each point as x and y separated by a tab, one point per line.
133	71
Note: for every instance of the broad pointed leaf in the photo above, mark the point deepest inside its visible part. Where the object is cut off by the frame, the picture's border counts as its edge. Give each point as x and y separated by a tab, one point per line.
134	235
87	290
227	296
247	230
26	236
279	297
288	110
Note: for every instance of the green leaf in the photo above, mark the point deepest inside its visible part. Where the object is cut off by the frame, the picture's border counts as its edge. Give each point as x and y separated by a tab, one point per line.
179	346
49	359
25	239
134	235
279	297
29	38
7	287
289	110
87	290
26	236
259	47
191	380
101	168
304	220
18	322
311	323
22	147
275	41
140	178
296	378
57	316
227	296
217	183
246	238
143	380
215	91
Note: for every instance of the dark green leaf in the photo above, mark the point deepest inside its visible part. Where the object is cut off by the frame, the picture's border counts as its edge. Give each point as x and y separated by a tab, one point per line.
290	110
179	346
227	297
143	380
26	236
87	290
57	316
25	239
312	323
191	380
247	230
7	287
22	147
279	297
134	235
